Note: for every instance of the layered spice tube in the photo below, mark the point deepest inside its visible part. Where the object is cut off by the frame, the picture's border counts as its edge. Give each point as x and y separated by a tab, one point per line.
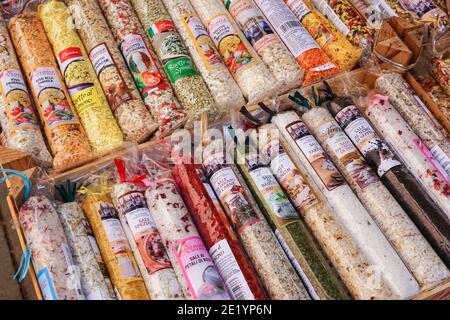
98	121
255	80
273	266
145	241
186	81
50	252
221	85
112	241
266	43
394	281
197	274
131	113
440	68
308	54
320	279
142	63
221	241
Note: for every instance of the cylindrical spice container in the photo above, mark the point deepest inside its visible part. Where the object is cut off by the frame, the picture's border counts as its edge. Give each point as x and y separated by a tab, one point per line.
143	65
17	115
266	43
50	252
65	135
308	54
252	76
131	113
390	279
273	266
190	259
98	121
221	85
222	243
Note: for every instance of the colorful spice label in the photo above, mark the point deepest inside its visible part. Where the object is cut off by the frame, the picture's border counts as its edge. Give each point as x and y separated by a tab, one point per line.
85	97
51	97
116	92
68	56
199	271
46	284
203	43
143	228
234	51
422	9
19	109
315	155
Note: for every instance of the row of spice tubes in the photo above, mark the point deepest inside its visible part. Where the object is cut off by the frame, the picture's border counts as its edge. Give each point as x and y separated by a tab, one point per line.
347	197
104	72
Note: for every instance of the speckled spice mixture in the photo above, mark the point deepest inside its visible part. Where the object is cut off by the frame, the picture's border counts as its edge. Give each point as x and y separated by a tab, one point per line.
267	44
93	282
221	85
440	98
273	266
393	278
145	241
96	116
131	113
254	79
21	127
65	134
441	72
50	252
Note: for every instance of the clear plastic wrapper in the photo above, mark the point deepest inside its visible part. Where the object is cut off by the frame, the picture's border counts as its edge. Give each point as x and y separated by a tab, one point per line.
131	113
143	65
65	135
255	80
417	9
98	121
223	88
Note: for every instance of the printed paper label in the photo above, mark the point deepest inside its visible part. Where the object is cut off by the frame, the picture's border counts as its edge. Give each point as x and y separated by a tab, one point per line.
422	9
85	97
73	279
46	284
443	160
69	56
328	12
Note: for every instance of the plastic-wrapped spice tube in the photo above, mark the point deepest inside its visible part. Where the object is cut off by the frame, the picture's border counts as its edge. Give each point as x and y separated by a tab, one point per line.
390	279
316	64
266	43
223	245
132	115
252	76
419	162
186	81
320	280
441	72
273	266
195	268
404	236
98	121
332	42
412	109
50	252
112	241
418	9
149	79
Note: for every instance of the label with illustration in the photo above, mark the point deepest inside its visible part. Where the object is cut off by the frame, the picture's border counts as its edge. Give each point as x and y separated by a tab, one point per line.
252	22
203	43
116	91
148	241
46	284
199	271
118	241
315	155
51	97
230	271
422	9
19	109
233	50
142	65
374	150
68	57
346	152
85	97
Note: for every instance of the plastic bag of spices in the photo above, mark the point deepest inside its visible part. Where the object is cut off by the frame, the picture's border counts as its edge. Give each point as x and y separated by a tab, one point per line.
223	88
266	43
17	115
131	113
143	65
252	76
145	241
96	116
308	54
441	72
65	135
